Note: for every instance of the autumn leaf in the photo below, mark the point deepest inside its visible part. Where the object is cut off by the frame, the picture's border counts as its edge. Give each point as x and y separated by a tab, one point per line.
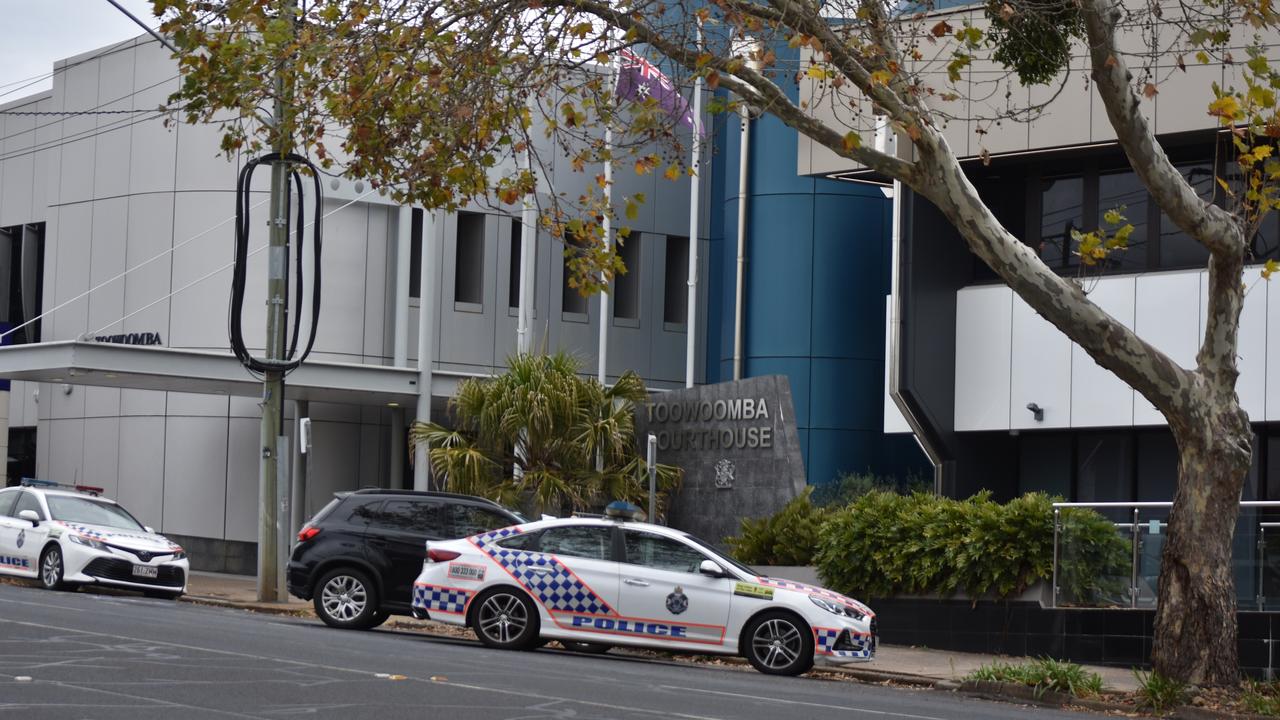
1150	91
1270	269
941	29
851	141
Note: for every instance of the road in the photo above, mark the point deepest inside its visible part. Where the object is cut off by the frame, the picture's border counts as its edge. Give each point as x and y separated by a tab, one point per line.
86	655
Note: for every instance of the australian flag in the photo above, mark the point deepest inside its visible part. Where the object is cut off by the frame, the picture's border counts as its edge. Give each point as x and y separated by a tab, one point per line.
640	80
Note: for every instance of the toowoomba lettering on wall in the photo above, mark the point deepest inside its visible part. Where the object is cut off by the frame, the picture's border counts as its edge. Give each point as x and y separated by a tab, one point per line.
707	418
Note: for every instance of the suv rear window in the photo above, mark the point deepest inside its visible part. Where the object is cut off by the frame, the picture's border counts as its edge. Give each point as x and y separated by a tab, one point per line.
468	520
415	516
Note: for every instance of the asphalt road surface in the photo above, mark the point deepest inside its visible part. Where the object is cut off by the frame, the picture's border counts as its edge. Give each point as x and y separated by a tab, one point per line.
86	655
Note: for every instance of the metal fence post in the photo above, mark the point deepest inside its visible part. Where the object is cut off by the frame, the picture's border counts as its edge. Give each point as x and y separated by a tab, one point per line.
1260	597
1133	570
1057	513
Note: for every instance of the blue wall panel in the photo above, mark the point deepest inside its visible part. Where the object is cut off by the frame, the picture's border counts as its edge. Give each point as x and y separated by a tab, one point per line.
779	276
849	276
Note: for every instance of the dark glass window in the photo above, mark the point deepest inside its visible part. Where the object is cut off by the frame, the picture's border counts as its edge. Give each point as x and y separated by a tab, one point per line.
415	516
468	520
1177	249
584	541
626	286
1061	211
21	281
661	553
513	265
525	541
415	253
675	298
468	266
1125	192
1044	463
28	502
1104	467
1157	466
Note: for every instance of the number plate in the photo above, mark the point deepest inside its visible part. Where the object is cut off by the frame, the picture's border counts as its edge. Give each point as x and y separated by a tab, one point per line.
146	571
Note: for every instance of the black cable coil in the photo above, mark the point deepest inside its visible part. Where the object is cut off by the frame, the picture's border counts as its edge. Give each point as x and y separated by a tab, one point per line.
291	360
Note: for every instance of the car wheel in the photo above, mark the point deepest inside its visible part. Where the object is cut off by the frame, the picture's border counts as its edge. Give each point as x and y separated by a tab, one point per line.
505	618
379	618
779	643
51	568
345	598
585	647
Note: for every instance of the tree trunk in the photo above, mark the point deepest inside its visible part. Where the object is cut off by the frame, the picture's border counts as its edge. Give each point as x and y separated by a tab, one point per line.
1195	627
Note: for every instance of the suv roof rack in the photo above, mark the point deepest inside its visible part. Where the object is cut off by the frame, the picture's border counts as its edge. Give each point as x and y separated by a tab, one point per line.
87	489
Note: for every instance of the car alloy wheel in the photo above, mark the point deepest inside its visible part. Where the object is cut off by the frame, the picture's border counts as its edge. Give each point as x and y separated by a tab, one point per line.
507	620
51	568
346	600
779	644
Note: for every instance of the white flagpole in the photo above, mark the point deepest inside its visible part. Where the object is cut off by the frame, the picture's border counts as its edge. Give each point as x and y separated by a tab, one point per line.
691	304
528	250
603	352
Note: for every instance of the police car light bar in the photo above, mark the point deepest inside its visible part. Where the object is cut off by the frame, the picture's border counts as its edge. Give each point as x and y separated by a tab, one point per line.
34	482
623	510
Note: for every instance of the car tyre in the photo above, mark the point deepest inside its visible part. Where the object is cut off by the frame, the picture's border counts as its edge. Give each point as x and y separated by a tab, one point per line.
378	618
778	643
51	568
345	598
589	648
505	618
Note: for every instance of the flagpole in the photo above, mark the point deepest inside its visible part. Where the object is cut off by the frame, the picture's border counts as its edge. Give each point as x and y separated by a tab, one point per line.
603	352
528	257
691	304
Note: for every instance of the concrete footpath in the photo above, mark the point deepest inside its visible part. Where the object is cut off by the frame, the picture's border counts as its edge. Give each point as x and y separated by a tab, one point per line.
912	665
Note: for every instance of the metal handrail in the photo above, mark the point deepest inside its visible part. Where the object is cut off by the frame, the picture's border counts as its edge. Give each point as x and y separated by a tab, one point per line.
1156	504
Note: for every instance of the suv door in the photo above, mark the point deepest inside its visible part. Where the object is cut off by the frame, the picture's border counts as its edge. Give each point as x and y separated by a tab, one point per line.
661	585
395	542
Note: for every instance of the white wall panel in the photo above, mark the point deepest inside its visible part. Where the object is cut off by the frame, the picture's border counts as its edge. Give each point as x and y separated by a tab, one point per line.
1166	314
195	475
197	404
66	439
107	257
346	235
149	238
102	454
141	483
1040	372
335	466
983	337
17	185
198	316
142	402
74	237
242	480
1098	397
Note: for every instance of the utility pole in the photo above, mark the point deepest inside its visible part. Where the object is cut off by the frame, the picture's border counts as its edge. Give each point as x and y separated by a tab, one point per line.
273	380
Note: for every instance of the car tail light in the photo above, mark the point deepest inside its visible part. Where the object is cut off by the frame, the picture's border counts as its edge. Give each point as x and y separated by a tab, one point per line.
435	555
308	533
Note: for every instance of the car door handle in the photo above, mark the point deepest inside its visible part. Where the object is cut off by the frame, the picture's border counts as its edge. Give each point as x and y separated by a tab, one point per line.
539	570
636	582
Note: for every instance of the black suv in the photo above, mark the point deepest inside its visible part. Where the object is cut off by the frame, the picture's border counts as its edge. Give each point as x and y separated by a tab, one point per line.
356	560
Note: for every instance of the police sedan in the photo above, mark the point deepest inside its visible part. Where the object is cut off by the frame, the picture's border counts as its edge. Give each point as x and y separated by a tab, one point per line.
595	583
67	536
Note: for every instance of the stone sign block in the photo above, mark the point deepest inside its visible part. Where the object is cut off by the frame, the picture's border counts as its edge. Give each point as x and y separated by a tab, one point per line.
738	447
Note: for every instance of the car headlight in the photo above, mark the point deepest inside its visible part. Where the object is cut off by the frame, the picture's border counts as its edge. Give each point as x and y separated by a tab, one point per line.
88	542
179	554
836	608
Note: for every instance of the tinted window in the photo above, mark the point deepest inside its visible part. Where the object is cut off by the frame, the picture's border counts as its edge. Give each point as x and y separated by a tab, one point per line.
527	541
416	516
361	512
469	520
661	553
1125	190
28	502
585	541
1061	211
7	499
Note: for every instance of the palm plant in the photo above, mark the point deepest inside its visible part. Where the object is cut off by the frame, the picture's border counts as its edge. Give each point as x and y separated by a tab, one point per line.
542	436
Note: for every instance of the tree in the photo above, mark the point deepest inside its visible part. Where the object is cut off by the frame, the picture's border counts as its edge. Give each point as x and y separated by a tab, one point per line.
532	437
437	98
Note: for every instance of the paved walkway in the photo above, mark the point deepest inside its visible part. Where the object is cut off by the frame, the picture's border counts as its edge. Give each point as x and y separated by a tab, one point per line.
907	663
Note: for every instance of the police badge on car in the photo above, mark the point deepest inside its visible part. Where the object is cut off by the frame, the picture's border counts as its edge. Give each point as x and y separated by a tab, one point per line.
677	601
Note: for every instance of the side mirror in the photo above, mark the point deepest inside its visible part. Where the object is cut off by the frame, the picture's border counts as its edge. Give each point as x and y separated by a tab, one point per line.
30	516
709	567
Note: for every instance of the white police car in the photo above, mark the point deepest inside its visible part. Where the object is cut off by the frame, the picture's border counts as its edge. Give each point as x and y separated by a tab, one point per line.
70	538
594	583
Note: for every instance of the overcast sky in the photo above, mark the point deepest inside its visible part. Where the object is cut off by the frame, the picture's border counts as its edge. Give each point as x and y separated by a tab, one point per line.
38	32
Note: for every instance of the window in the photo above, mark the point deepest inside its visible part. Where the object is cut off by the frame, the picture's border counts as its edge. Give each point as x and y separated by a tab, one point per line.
661	553
1124	190
1104	469
675	299
525	541
468	267
28	502
7	500
468	520
415	516
415	253
21	280
626	285
571	301
513	271
1061	211
1177	249
584	541
363	513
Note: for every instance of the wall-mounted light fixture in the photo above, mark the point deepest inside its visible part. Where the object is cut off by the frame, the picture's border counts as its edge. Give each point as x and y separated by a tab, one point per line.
1036	411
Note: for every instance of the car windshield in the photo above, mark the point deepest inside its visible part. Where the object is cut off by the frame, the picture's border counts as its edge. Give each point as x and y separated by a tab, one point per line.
90	512
708	547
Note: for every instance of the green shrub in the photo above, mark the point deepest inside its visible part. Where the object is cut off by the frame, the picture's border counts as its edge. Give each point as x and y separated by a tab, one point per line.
1160	693
886	544
787	537
1044	675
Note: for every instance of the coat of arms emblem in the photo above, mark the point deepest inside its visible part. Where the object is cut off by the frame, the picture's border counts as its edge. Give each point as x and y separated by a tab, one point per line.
724	474
677	601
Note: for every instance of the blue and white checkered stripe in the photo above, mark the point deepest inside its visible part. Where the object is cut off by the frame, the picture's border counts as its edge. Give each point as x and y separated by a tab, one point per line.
812	590
440	599
825	638
544	576
87	532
